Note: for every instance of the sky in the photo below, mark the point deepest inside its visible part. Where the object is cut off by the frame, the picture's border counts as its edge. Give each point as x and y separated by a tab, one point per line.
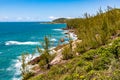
48	10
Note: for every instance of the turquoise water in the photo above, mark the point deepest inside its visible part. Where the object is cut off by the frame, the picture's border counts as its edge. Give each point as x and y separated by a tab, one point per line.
19	37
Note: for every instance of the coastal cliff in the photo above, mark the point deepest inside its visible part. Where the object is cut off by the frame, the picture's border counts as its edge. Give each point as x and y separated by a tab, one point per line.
94	55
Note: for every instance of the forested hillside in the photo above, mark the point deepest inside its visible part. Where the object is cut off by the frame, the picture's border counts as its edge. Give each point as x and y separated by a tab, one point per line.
96	30
98	55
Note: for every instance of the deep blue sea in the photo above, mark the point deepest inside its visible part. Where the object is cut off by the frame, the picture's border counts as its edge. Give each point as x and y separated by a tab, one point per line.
19	37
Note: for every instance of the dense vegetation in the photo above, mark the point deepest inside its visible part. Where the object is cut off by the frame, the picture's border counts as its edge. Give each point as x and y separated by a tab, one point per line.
99	51
102	63
60	20
43	60
96	30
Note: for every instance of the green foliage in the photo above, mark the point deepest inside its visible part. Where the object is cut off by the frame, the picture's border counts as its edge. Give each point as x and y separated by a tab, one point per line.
68	51
115	48
94	64
80	63
46	45
95	30
56	70
104	33
43	61
40	77
66	77
26	73
67	54
80	48
101	63
90	55
45	56
88	67
60	20
23	66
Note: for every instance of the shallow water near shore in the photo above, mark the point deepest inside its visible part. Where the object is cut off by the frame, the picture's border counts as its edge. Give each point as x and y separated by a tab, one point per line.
19	37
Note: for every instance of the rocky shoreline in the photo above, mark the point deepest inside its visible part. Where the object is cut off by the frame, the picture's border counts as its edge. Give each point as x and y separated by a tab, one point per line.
57	50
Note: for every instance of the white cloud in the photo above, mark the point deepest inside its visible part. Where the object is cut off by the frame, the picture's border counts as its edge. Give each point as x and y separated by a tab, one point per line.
28	18
53	17
19	18
69	17
4	18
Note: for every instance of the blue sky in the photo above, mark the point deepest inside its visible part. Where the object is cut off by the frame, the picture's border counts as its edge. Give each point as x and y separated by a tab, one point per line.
46	10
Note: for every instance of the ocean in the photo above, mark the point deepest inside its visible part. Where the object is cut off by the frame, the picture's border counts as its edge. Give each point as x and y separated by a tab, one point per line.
21	37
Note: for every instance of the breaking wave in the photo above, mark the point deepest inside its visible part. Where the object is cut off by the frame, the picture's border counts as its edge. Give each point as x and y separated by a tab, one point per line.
53	39
57	29
21	43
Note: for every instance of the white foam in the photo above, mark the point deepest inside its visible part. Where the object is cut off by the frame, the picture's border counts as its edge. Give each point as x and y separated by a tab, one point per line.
53	39
9	69
65	31
16	78
52	48
52	51
66	42
17	65
73	36
57	29
21	43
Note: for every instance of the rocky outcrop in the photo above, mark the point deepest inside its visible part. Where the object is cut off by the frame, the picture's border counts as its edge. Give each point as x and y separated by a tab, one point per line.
59	56
35	60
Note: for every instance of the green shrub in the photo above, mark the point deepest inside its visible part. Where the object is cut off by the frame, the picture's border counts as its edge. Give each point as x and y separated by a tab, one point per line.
45	56
45	59
90	55
88	67
67	54
66	77
56	70
116	75
80	62
116	42
27	75
39	77
75	75
80	48
115	48
42	63
104	25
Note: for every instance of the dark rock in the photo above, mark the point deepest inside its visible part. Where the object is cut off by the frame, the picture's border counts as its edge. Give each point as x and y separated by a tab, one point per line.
62	40
64	28
35	60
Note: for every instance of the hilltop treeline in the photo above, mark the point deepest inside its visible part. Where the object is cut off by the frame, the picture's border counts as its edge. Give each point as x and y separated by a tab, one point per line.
60	20
96	30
